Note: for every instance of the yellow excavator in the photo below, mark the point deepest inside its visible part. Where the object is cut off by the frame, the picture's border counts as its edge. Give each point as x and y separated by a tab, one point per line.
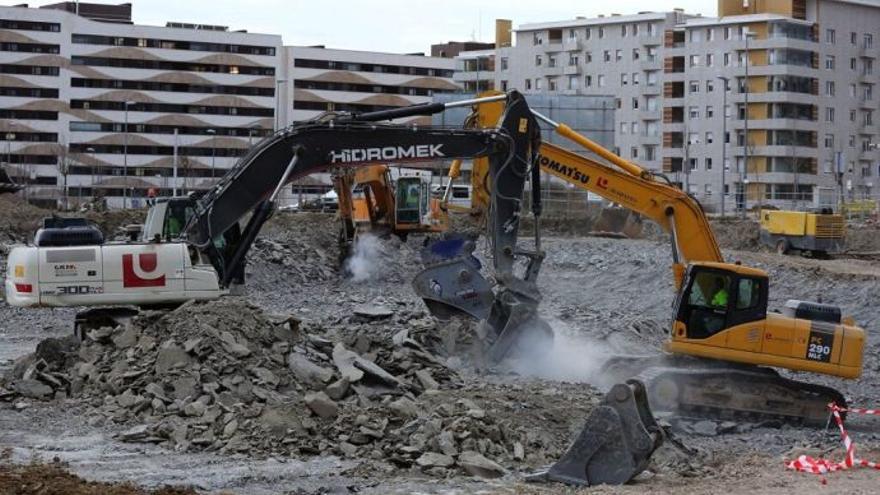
723	345
369	200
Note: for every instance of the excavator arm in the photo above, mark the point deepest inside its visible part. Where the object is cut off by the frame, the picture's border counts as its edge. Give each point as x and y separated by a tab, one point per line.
252	186
621	182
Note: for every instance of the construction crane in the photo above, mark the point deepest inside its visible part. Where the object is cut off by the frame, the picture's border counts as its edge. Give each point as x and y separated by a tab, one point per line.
723	344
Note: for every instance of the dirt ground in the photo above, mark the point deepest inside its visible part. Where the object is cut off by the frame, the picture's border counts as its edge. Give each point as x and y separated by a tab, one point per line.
601	296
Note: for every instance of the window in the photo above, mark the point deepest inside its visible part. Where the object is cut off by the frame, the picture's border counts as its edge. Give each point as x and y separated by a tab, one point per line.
634	152
504	85
601	81
852	38
695	60
572	34
607	55
539	83
618	55
635	54
573	59
651	103
708	189
652	78
528	84
852	115
829	62
634	29
852	64
624	127
710	34
710	138
589	33
505	63
829	140
748	294
829	36
708	167
538	38
588	81
624	78
601	32
652	129
694	138
852	90
573	82
829	88
710	85
710	60
869	40
623	30
551	83
652	29
588	57
710	111
635	78
539	60
693	112
728	32
727	59
829	114
635	103
551	60
634	128
695	36
693	164
694	86
852	141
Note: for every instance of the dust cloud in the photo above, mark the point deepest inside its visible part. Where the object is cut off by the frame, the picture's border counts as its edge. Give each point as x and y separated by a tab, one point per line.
362	265
571	357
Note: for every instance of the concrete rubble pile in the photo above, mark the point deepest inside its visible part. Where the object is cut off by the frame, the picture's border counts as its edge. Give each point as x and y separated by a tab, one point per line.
226	376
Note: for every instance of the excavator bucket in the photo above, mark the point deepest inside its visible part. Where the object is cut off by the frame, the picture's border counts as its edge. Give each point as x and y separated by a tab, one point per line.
615	444
617	222
455	288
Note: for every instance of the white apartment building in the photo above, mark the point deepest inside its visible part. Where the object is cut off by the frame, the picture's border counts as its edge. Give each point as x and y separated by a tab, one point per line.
70	84
96	105
813	135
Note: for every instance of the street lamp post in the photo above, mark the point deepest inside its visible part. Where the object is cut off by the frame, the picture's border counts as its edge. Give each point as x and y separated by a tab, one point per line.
724	82
278	84
94	180
744	171
125	157
213	134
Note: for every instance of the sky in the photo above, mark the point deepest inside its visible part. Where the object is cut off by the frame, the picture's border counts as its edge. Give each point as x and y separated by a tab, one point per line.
398	26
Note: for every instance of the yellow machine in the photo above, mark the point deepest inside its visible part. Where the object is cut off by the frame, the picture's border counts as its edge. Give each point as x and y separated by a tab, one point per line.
720	312
817	233
370	200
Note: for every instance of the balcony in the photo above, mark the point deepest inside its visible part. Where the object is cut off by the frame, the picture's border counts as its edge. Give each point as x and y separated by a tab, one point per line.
866	103
571	70
572	45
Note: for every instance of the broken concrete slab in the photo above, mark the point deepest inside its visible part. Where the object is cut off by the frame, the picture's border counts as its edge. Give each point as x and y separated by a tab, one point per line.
434	459
322	405
171	357
426	380
232	346
308	371
33	389
373	311
477	464
353	367
338	389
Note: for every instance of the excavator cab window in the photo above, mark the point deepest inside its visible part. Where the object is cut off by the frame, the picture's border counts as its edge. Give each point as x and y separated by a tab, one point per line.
715	300
409	199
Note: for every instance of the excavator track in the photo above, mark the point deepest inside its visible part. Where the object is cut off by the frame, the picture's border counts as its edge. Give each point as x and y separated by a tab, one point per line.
726	391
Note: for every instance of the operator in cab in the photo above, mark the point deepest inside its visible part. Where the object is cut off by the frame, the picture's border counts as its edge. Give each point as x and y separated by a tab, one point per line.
719	300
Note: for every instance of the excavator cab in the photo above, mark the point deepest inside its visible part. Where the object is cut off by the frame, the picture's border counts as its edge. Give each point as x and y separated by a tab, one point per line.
715	298
412	200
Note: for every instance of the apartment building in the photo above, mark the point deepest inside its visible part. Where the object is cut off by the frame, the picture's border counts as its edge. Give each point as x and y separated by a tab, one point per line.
326	80
804	135
617	55
124	111
798	128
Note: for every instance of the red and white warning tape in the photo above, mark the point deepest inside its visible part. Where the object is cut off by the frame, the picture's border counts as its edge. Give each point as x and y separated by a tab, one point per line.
821	467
